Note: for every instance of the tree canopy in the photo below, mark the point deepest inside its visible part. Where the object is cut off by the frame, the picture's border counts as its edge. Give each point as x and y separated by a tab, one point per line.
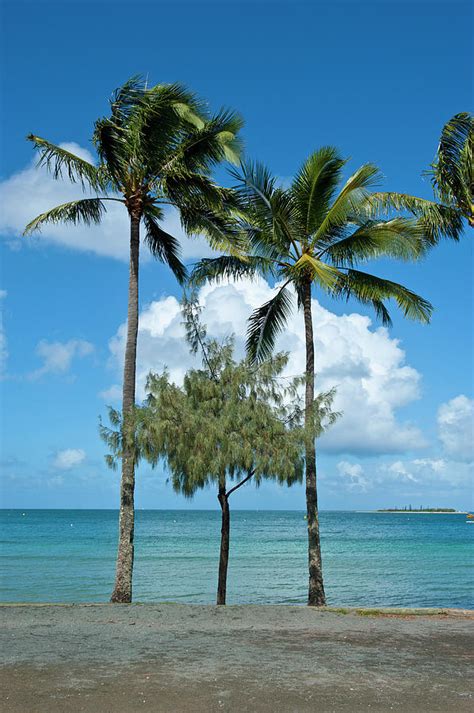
230	420
157	147
318	231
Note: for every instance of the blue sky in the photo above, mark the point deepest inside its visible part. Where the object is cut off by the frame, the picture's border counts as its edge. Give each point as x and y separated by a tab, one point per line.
376	79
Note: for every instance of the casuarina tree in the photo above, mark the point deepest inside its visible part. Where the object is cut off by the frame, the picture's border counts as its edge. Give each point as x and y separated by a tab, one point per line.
231	423
156	148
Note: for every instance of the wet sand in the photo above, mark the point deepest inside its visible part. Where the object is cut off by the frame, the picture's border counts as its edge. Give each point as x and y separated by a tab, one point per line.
172	658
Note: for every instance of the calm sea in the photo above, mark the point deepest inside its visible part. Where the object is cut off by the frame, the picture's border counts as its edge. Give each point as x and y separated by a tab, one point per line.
369	559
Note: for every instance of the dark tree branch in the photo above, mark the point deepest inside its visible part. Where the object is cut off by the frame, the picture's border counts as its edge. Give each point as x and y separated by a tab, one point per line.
239	485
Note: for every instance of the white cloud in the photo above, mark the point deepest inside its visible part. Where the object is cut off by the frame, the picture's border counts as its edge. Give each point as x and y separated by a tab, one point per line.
398	471
366	365
32	191
456	427
434	472
69	458
3	340
57	356
420	477
353	476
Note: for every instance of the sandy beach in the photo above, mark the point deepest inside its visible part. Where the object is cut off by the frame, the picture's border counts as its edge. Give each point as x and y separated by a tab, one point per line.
184	658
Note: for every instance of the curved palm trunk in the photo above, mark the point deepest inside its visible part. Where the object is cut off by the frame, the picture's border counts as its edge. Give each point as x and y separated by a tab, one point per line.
224	551
316	596
124	568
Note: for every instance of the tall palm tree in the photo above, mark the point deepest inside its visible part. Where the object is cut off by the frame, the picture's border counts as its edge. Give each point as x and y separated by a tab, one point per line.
157	148
313	235
452	177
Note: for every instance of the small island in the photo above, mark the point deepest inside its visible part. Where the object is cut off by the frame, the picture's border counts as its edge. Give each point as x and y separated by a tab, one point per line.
421	509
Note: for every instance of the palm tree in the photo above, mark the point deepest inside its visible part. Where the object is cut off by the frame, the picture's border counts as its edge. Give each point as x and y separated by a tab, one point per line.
157	148
452	177
314	234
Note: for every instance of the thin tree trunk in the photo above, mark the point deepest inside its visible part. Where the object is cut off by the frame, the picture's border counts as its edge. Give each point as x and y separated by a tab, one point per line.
316	596
224	552
124	569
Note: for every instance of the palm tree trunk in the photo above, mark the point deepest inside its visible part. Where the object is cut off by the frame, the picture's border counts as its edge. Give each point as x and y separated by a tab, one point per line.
124	569
224	552
316	596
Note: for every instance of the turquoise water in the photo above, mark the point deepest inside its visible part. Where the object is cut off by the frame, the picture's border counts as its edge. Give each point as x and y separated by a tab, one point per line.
369	559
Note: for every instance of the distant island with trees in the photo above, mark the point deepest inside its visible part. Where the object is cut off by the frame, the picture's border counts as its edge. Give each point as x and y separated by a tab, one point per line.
420	509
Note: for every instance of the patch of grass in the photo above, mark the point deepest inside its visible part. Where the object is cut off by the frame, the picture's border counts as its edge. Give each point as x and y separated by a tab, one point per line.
337	610
388	612
369	612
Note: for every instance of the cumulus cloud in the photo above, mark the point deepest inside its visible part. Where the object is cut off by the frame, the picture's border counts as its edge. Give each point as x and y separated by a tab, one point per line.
456	427
57	356
32	191
365	364
352	476
69	458
398	471
434	472
432	481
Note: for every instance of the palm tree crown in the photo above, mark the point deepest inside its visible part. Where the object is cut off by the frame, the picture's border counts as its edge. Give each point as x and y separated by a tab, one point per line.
157	148
317	231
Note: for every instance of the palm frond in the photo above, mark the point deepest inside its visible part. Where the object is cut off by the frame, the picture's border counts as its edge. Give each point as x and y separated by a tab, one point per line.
452	170
162	245
320	272
255	184
314	186
220	228
145	125
228	267
59	161
87	210
265	323
268	208
436	220
369	289
399	238
110	142
182	186
349	201
125	99
216	140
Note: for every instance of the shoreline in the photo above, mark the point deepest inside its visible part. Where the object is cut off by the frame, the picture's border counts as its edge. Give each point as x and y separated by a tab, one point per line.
368	611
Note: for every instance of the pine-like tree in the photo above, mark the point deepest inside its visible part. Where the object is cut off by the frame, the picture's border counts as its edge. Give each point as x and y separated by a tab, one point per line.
231	423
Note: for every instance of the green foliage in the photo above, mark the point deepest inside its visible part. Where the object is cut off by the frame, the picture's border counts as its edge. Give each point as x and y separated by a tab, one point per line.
452	176
266	322
230	421
317	232
157	147
87	211
436	220
60	161
452	172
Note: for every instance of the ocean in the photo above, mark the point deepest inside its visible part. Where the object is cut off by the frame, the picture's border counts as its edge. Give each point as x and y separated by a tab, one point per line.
369	559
